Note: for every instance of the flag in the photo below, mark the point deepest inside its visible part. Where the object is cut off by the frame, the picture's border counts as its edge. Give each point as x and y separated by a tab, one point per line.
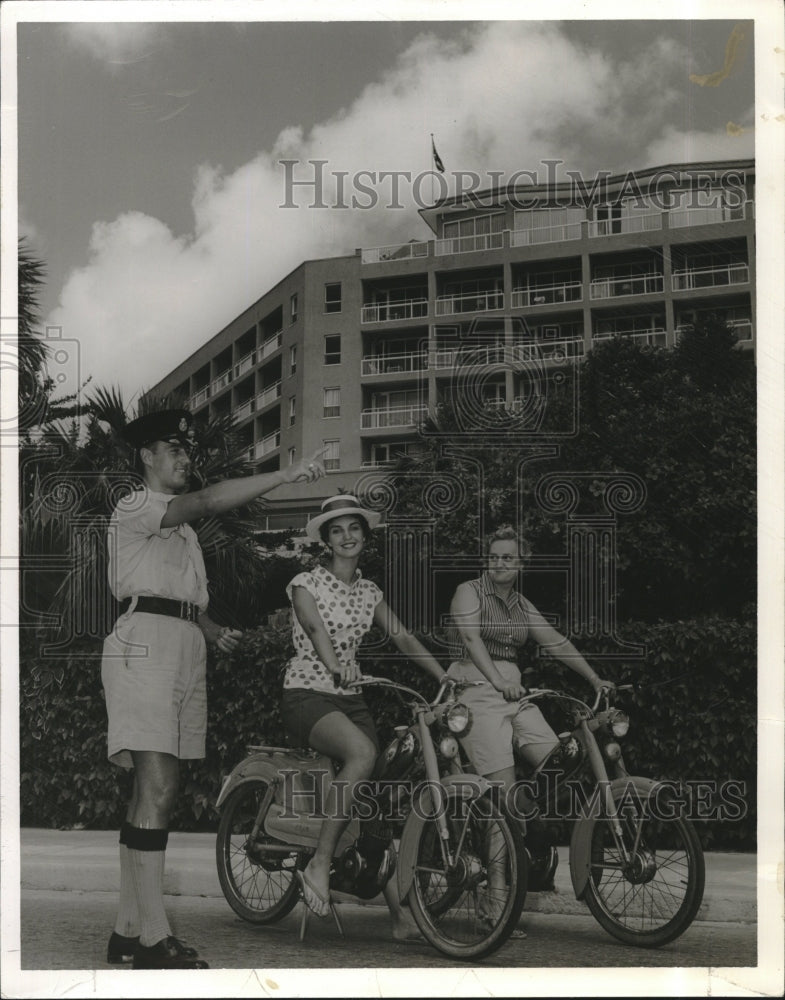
437	160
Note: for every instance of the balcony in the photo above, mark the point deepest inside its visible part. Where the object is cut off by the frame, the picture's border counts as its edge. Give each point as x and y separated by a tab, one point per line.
265	446
244	410
271	345
405	251
393	364
245	364
395	416
221	381
741	327
626	224
545	234
641	284
468	244
268	395
541	295
391	312
709	215
655	337
199	397
448	305
710	277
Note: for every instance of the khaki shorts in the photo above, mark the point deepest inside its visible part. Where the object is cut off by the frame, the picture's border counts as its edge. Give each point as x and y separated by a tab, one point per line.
498	724
154	676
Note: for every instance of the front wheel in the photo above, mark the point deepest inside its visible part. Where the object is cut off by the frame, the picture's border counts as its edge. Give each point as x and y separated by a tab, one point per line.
653	896
469	908
256	872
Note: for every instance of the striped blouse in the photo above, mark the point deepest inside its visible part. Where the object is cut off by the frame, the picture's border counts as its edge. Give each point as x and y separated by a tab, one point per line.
504	625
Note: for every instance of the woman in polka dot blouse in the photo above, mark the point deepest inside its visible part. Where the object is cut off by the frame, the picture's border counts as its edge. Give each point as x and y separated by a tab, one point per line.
334	607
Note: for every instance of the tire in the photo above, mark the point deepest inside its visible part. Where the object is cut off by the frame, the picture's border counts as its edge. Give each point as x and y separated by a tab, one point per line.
449	906
652	901
260	886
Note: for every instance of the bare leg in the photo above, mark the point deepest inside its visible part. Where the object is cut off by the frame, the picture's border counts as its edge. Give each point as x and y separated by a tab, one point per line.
403	926
496	856
337	736
156	777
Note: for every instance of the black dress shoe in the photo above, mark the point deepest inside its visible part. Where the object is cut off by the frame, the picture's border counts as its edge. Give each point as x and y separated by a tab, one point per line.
167	954
121	949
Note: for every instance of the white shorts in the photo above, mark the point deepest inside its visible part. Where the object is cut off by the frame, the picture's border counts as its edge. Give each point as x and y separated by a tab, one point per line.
154	675
498	724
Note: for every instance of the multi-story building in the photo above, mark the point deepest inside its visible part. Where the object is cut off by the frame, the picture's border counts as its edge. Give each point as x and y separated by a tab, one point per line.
350	352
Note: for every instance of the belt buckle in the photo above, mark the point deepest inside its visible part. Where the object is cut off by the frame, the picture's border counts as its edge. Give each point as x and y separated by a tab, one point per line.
187	611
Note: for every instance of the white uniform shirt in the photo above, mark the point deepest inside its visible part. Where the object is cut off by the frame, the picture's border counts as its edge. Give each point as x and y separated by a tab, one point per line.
145	558
347	614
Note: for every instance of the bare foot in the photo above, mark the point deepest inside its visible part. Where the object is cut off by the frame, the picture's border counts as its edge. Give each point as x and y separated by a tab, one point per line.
406	930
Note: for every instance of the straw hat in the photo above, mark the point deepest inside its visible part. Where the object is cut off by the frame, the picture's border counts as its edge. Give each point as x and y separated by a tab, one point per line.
340	506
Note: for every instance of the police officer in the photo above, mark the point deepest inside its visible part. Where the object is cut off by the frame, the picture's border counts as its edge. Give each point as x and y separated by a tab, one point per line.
153	666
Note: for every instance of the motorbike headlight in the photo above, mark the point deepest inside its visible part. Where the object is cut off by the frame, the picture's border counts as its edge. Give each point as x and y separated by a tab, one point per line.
458	718
448	747
612	751
619	724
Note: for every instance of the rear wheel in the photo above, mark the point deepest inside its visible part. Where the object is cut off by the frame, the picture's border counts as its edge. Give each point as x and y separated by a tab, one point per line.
653	896
469	909
257	873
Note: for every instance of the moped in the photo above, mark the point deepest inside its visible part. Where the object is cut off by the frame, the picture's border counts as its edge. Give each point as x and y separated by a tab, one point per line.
635	859
460	863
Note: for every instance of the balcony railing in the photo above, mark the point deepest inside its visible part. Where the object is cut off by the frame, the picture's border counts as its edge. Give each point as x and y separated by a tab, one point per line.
447	305
221	381
655	337
710	277
394	416
389	312
266	396
199	397
567	291
244	409
265	446
550	350
468	244
626	224
545	234
641	284
392	364
400	251
741	327
271	345
703	216
457	357
245	364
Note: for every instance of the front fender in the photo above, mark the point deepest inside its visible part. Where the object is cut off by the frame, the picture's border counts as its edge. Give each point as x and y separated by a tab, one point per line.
456	786
580	842
258	765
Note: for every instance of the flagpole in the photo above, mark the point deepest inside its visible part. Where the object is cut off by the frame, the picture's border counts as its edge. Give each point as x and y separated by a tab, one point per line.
433	165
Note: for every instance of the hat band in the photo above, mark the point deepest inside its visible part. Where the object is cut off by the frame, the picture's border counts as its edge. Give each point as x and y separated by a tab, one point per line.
340	503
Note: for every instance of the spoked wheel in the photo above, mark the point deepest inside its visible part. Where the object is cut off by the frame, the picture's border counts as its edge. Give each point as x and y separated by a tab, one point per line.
653	897
257	874
469	909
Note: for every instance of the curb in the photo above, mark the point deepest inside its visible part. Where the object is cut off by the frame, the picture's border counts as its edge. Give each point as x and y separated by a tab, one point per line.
86	861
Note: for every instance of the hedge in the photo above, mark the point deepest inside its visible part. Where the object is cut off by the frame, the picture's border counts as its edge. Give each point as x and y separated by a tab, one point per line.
693	718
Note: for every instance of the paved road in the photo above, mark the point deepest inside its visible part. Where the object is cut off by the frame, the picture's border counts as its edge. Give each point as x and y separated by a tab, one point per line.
68	930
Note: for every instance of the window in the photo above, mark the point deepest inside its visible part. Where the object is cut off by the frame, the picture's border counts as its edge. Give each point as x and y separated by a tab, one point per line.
293	359
332	456
292	452
332	402
332	349
292	410
332	297
293	307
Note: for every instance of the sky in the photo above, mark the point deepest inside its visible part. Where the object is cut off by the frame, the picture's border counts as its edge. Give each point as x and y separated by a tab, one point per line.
149	173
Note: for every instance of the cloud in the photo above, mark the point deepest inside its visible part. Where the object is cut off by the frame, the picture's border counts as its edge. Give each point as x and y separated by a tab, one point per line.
503	98
114	43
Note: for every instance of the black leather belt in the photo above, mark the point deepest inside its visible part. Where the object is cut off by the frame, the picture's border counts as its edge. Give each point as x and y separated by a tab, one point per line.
162	606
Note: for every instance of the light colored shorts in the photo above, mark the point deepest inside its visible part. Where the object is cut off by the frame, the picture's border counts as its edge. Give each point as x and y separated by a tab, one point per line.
154	675
498	724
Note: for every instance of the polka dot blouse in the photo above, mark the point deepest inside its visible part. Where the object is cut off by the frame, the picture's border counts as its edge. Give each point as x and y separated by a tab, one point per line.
347	614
